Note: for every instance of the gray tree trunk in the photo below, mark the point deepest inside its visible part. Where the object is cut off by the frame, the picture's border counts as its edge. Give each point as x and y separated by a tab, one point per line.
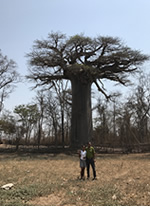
81	123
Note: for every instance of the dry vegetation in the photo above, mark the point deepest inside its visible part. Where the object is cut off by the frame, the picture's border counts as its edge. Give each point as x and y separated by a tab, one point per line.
52	179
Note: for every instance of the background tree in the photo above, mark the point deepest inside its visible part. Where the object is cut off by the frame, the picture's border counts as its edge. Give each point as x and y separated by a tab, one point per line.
28	117
101	122
140	103
84	61
40	99
8	77
52	116
8	126
61	91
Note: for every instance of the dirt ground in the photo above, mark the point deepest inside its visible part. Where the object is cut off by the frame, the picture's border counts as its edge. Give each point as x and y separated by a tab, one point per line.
121	180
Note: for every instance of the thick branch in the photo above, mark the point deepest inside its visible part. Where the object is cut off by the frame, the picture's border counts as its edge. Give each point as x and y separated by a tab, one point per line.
102	91
45	78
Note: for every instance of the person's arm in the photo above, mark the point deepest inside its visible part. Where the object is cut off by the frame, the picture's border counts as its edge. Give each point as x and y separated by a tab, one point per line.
93	153
79	153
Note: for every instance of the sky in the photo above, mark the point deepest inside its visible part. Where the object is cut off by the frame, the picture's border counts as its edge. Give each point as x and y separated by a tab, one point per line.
24	21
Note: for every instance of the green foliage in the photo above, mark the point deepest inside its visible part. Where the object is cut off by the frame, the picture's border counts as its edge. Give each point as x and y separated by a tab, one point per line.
20	195
27	113
79	41
7	124
28	117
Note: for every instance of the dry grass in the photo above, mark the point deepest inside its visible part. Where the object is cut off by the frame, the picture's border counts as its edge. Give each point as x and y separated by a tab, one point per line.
52	180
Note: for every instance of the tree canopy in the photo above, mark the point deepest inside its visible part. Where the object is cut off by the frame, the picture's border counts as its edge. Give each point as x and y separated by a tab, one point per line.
88	59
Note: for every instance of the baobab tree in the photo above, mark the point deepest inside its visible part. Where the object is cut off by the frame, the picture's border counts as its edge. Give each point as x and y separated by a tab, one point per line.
84	61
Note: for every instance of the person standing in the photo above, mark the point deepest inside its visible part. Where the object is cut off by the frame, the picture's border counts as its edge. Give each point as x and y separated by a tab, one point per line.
82	156
90	160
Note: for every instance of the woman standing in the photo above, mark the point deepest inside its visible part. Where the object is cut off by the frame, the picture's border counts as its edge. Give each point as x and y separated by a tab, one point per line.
82	156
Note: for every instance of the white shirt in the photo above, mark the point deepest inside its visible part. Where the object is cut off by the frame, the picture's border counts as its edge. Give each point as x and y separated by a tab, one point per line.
83	155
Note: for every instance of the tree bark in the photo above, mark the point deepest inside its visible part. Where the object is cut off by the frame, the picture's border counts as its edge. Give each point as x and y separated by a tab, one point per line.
81	123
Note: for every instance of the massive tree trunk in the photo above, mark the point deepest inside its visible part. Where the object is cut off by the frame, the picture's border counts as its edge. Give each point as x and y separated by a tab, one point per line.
81	123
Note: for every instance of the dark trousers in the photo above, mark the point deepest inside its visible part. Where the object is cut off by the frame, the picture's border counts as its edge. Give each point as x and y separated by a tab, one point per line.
92	163
82	172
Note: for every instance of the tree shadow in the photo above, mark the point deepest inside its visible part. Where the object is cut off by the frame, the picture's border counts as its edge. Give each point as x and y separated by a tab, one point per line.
29	152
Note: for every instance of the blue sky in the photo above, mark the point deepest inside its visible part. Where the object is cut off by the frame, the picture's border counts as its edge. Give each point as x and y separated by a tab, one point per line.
23	21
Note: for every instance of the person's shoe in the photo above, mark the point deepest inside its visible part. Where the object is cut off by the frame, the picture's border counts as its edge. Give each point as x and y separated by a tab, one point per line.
94	178
82	178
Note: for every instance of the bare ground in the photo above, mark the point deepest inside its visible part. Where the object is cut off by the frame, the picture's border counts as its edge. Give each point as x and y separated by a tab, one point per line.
127	176
122	179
